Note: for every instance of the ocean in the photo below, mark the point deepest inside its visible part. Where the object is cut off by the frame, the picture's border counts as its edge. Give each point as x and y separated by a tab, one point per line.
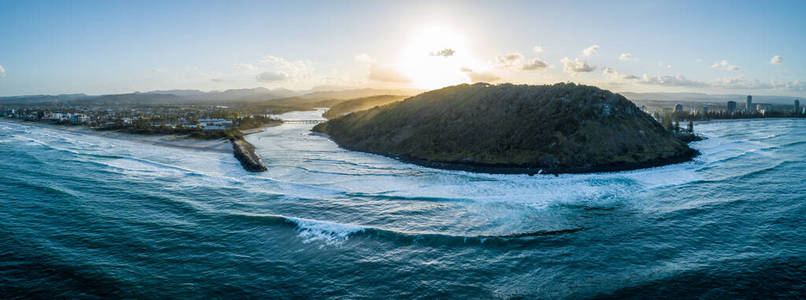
87	216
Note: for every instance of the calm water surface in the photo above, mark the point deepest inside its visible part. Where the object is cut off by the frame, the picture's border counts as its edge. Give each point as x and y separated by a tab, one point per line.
88	216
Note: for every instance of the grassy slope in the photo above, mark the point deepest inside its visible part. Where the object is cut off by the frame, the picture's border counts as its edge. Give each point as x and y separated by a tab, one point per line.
360	104
562	126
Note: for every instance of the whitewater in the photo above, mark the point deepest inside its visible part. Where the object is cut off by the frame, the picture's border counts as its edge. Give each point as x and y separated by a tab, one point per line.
87	215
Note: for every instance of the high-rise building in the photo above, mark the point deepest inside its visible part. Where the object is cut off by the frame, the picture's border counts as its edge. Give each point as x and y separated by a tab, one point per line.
731	106
678	107
764	108
797	106
749	104
705	109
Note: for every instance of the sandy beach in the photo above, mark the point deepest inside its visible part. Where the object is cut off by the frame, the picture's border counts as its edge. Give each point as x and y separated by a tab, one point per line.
177	141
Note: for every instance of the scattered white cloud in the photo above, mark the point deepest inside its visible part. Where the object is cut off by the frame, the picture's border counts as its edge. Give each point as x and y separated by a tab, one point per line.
576	65
625	56
796	85
245	67
590	50
535	64
2	71
664	65
271	76
509	60
479	76
298	69
538	49
776	60
444	52
616	75
668	80
724	65
742	84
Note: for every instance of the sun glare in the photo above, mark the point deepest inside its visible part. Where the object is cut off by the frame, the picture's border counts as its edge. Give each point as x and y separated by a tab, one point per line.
434	58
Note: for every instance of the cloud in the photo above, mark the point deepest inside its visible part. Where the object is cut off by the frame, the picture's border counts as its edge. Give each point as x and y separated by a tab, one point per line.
272	76
217	80
796	85
724	65
668	80
776	60
479	76
625	56
444	52
576	65
294	69
612	73
379	72
538	49
2	71
509	59
534	64
742	84
245	67
591	50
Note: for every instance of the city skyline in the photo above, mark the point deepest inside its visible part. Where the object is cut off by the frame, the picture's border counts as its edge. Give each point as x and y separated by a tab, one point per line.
100	48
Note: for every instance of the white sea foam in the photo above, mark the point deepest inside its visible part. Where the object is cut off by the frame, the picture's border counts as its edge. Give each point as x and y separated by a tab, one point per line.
329	233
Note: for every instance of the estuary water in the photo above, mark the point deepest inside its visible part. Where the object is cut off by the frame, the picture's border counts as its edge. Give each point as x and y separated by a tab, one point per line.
83	215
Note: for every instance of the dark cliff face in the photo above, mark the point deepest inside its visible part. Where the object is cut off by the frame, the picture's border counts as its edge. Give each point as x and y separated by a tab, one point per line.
558	128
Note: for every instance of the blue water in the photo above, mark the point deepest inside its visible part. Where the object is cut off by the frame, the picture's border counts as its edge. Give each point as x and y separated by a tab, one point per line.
89	216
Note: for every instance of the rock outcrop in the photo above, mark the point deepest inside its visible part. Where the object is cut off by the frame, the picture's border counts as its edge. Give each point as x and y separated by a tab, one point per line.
245	153
560	128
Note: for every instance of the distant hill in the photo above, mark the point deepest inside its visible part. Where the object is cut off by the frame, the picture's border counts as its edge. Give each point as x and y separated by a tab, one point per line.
128	99
512	129
357	93
360	104
281	97
42	98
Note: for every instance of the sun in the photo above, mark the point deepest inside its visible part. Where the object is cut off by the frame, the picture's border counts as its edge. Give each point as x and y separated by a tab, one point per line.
434	58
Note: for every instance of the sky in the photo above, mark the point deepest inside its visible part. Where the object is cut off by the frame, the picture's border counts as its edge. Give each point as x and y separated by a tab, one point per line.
100	47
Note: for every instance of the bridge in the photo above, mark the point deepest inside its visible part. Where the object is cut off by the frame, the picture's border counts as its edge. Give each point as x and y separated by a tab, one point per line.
303	121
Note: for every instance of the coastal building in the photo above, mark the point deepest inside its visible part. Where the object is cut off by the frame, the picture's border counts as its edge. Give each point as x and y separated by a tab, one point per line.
764	108
731	107
678	108
705	109
215	124
797	106
749	104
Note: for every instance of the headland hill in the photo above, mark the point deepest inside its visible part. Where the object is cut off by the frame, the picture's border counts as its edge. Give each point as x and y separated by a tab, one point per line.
506	128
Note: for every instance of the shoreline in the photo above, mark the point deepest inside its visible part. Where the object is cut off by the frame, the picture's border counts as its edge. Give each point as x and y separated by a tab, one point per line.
511	169
243	151
174	141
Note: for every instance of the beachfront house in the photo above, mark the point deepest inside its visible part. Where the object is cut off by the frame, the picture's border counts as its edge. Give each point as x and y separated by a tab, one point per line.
215	124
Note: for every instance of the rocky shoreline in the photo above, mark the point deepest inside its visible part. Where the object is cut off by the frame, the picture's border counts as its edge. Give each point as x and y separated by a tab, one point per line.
245	153
530	170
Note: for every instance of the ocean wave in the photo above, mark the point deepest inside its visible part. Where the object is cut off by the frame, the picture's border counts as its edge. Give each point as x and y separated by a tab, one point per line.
334	234
750	173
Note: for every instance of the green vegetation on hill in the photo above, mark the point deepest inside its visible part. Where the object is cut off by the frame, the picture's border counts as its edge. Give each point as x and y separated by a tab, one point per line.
557	128
359	104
